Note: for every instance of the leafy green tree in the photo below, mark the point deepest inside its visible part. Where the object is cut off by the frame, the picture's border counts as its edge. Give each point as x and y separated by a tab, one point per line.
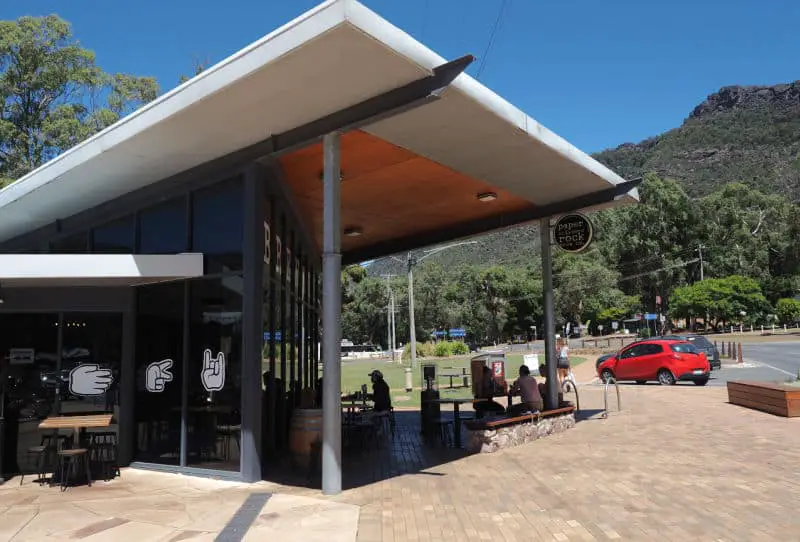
651	243
52	95
723	300
788	310
746	232
584	286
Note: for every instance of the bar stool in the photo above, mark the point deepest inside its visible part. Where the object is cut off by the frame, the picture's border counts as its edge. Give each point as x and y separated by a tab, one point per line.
42	454
68	463
103	452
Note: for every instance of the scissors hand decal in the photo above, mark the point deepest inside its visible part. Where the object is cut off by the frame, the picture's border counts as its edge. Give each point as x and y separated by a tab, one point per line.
157	375
213	375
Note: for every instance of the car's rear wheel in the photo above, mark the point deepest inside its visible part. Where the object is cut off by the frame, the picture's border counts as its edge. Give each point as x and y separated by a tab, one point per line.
665	377
640	382
606	374
701	382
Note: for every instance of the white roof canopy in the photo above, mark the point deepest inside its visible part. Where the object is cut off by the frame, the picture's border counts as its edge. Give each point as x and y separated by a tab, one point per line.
334	56
40	270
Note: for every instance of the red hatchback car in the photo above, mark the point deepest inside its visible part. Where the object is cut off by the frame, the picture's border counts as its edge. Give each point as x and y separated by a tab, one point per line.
666	361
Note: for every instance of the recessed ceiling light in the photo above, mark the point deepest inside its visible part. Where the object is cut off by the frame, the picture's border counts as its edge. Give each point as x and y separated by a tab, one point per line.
487	196
352	232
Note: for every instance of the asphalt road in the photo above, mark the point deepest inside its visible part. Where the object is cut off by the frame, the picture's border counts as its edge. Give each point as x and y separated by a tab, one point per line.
764	362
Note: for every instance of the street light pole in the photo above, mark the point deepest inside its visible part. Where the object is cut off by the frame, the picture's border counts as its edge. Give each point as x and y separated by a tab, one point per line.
412	330
412	335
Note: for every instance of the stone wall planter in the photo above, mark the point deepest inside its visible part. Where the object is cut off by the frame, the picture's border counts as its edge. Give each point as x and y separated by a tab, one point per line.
493	439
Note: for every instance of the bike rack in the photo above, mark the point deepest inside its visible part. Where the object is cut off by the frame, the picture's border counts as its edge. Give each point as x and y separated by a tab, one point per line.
574	387
605	396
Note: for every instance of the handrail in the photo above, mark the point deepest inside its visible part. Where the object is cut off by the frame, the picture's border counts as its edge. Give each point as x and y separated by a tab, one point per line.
611	380
574	387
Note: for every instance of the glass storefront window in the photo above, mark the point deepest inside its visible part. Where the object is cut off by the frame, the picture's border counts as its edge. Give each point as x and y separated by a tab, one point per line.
163	228
92	340
217	225
159	373
117	237
29	345
215	370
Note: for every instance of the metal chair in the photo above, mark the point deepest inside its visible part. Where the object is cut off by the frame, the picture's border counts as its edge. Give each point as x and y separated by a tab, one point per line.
69	462
47	450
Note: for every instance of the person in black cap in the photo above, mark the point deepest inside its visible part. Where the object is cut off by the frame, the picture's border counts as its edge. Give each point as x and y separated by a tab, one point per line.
380	392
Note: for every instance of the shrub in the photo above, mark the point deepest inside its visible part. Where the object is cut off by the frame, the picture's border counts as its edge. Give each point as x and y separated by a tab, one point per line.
644	333
424	350
443	349
460	348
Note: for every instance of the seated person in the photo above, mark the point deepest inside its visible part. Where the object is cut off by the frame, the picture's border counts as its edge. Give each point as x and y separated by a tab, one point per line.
488	390
380	392
526	386
543	385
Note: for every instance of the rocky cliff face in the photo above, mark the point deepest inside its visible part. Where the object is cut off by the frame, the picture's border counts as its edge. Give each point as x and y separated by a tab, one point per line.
784	96
748	134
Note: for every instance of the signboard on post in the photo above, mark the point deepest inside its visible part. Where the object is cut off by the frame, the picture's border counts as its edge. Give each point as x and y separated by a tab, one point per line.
650	316
573	232
457	332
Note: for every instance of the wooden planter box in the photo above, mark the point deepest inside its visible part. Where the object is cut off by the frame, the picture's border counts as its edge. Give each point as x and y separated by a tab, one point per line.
779	399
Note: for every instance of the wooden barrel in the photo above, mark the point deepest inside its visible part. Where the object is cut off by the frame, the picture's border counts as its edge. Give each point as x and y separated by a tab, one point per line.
305	429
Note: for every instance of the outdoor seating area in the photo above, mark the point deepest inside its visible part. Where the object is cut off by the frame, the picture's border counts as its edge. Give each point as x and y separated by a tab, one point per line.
72	451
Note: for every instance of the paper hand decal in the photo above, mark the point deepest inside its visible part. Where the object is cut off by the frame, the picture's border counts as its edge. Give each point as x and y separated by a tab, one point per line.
213	375
89	379
157	375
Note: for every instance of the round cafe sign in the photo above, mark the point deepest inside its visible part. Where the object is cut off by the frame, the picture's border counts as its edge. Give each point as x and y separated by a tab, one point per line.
573	232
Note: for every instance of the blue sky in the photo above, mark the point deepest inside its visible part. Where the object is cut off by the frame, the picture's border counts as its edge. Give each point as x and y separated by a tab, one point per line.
597	72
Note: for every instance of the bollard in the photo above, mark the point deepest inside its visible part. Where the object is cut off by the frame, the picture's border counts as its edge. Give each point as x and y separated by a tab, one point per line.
741	358
731	350
409	384
723	348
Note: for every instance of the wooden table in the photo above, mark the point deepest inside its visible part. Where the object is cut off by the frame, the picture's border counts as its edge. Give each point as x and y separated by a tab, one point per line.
77	423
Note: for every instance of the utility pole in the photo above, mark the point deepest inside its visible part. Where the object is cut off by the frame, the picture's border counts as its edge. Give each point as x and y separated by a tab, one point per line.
412	330
394	337
700	254
391	340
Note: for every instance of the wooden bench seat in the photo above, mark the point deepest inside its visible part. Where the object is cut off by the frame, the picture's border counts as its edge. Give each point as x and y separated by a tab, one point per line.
478	425
778	399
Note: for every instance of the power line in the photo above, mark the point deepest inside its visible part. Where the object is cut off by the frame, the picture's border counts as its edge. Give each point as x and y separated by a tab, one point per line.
491	38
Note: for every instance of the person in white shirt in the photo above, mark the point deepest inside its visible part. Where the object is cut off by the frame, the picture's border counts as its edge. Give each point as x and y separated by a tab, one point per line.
563	363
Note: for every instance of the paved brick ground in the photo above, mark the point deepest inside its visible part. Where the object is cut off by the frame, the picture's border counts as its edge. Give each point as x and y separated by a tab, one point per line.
676	464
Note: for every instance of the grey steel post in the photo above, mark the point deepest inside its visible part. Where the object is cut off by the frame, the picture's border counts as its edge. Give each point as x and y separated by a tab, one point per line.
331	320
389	319
394	338
412	329
549	316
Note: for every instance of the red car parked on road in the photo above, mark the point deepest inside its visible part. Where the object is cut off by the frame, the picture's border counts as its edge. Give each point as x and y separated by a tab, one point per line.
666	361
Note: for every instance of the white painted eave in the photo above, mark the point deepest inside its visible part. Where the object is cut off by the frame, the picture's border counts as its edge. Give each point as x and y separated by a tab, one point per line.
334	56
40	270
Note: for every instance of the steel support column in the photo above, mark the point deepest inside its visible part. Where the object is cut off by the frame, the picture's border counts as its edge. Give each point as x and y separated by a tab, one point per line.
549	316
331	320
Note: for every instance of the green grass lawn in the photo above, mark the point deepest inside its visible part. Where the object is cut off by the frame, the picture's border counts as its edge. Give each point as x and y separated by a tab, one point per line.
355	373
